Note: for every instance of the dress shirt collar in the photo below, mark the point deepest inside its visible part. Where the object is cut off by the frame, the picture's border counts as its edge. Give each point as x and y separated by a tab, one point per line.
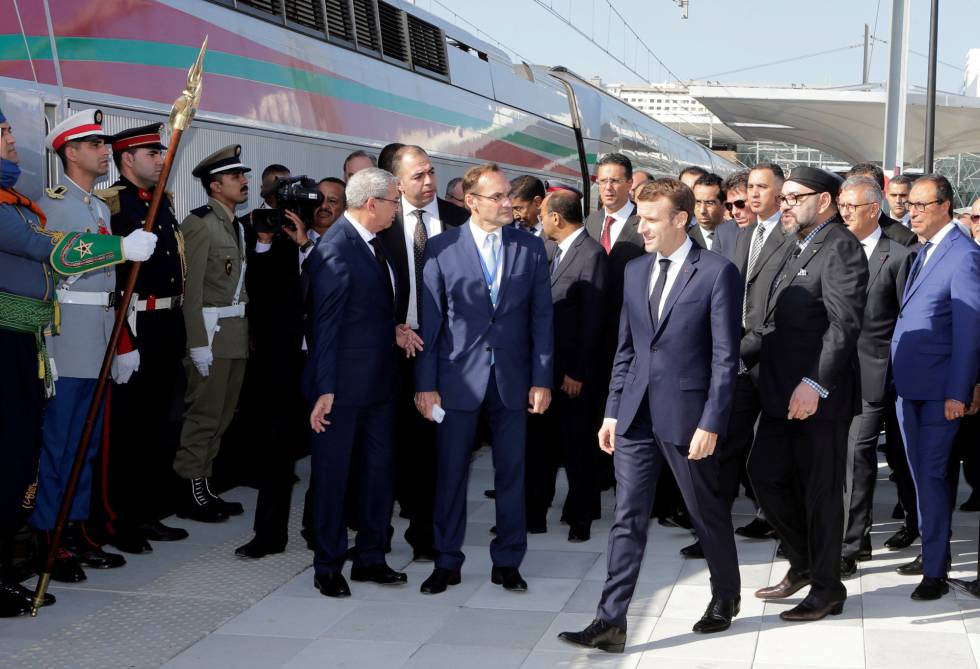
432	209
937	238
678	256
871	241
803	243
770	222
77	187
480	235
365	234
567	242
624	212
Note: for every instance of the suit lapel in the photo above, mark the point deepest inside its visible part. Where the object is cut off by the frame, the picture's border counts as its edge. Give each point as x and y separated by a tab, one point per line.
509	247
399	248
629	234
688	268
934	260
794	266
366	252
773	242
694	232
878	258
567	260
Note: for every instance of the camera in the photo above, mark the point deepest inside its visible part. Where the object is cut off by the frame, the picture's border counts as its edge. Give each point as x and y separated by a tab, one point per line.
297	194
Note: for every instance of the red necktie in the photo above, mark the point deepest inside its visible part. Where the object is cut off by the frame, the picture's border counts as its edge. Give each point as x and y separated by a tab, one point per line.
605	238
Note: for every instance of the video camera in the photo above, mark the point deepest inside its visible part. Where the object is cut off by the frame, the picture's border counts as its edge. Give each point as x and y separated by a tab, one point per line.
297	194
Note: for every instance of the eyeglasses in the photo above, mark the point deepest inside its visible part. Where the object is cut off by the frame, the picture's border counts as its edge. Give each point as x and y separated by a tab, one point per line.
737	204
611	182
848	208
792	199
920	206
496	198
397	203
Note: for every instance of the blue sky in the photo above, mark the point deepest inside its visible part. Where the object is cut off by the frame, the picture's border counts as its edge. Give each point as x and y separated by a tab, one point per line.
724	35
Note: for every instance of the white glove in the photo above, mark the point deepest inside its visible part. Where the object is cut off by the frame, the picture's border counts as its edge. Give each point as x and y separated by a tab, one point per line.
202	358
138	245
124	365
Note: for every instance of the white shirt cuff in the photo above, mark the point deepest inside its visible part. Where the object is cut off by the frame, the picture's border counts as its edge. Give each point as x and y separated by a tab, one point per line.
262	247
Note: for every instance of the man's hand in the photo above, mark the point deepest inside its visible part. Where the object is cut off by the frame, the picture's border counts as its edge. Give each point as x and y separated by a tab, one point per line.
538	399
318	417
955	409
407	340
123	366
571	387
425	401
138	245
803	402
702	444
298	234
975	404
607	435
202	358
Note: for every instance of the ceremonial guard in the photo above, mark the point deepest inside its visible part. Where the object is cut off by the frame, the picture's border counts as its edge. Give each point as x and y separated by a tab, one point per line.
87	313
217	331
145	413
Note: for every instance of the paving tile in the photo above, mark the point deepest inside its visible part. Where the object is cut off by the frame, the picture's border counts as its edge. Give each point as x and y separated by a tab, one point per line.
344	654
284	616
543	594
897	649
649	598
391	621
438	656
494	628
851	616
229	651
551	659
673	638
906	614
558	564
812	645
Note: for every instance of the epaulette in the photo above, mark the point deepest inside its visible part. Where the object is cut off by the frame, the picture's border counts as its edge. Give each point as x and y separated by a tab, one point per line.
111	197
56	193
201	212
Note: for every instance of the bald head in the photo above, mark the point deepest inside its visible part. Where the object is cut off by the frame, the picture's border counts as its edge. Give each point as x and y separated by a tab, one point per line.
416	175
561	214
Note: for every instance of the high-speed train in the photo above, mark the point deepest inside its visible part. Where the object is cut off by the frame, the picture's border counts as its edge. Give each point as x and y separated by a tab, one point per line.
305	82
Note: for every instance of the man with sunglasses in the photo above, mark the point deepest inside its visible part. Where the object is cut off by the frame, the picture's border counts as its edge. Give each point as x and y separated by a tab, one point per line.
736	202
810	390
935	355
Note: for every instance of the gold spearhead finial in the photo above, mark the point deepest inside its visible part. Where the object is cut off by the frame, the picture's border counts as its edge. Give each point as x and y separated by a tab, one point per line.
186	105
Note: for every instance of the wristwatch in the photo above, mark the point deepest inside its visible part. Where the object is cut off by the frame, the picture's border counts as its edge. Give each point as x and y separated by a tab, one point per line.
307	245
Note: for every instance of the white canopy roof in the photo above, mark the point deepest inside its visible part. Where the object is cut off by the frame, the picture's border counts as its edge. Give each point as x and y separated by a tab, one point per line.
849	124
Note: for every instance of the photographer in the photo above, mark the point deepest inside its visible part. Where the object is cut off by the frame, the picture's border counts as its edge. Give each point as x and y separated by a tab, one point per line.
272	410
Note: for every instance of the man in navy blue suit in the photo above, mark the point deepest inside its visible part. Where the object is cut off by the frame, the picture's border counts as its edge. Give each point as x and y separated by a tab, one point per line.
350	378
669	401
709	228
935	352
487	333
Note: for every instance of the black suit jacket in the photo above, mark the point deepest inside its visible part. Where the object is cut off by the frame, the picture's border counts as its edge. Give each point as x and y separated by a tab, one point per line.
399	252
726	235
812	321
895	230
629	245
888	270
275	293
578	289
758	283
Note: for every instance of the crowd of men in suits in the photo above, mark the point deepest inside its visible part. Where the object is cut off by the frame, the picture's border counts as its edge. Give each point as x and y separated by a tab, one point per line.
760	331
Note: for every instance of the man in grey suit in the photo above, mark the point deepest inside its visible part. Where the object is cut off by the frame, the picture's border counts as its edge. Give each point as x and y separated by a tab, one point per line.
888	266
710	229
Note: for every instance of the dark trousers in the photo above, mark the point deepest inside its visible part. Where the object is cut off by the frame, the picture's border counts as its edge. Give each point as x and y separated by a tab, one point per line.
415	460
63	424
21	406
862	471
898	462
454	441
144	429
928	438
639	459
733	452
797	472
563	435
363	434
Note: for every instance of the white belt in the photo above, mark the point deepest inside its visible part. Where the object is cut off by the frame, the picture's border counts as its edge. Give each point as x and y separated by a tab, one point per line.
158	303
86	298
232	311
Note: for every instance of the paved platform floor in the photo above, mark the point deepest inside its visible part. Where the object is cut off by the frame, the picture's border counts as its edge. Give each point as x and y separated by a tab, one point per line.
194	604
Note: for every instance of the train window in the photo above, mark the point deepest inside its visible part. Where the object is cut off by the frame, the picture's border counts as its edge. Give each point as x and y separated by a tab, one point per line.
339	24
307	13
394	33
428	46
366	25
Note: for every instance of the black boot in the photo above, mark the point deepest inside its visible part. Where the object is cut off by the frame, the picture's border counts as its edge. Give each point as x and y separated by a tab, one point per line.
80	543
200	506
66	569
231	508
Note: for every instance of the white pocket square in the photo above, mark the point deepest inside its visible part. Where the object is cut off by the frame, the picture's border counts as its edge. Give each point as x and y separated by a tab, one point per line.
802	272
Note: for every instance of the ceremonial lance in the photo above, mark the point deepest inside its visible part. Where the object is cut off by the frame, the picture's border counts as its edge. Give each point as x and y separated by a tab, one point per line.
180	119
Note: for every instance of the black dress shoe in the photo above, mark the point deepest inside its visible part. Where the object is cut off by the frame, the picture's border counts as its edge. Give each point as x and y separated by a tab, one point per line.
578	532
28	594
966	587
509	578
718	616
676	519
332	585
381	574
157	531
901	539
256	548
130	541
693	552
12	603
929	589
490	494
913	568
791	583
848	567
79	543
439	580
757	529
66	569
599	634
972	503
811	609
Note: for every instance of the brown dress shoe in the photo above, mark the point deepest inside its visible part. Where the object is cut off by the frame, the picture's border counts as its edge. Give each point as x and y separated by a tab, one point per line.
811	609
791	583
